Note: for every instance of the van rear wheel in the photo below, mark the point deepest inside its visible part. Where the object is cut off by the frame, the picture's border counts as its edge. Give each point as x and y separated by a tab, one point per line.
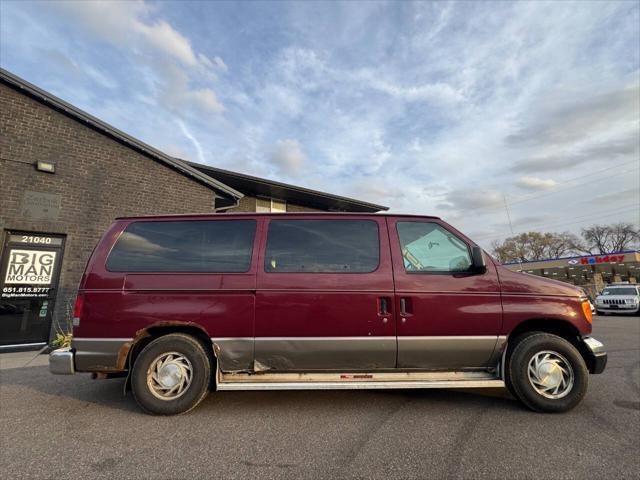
171	375
547	373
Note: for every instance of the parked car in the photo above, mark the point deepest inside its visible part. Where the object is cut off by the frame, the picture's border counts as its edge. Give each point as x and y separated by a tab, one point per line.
618	299
185	304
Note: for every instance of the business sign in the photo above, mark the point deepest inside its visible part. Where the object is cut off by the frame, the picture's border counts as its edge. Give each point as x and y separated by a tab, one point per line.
41	205
29	273
597	259
31	239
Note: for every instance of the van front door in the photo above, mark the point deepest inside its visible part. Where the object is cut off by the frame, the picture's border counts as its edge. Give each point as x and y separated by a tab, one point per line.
449	316
324	296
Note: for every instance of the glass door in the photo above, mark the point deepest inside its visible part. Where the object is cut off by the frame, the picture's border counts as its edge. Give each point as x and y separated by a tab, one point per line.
29	270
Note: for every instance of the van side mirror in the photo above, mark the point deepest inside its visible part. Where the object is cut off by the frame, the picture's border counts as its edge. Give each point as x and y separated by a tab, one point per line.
477	259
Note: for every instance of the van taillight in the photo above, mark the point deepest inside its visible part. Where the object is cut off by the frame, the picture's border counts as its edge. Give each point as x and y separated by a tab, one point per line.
77	310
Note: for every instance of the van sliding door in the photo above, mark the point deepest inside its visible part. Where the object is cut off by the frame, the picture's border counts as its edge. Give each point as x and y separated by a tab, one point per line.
324	298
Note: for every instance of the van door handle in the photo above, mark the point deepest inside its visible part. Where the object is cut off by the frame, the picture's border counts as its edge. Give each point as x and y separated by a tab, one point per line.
383	306
405	307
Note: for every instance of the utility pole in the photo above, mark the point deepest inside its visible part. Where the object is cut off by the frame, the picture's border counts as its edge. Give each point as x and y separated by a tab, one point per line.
506	208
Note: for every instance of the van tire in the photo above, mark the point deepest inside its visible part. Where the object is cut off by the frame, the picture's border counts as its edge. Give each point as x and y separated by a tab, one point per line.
554	354
185	363
511	344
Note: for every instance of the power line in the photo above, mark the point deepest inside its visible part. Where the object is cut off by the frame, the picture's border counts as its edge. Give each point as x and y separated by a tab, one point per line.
572	186
522	199
585	218
581	219
590	215
597	171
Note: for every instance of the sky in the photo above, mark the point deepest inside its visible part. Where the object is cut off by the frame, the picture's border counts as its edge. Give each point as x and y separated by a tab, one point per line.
435	108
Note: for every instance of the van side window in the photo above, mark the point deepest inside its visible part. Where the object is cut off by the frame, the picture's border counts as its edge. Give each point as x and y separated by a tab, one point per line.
427	247
184	246
322	246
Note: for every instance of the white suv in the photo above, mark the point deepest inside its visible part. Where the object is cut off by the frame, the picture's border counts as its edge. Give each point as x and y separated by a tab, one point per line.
619	298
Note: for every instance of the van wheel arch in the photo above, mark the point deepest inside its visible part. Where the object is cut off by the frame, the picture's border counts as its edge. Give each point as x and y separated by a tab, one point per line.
148	334
561	328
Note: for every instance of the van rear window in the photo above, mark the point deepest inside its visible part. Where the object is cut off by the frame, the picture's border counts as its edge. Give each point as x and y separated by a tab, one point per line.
322	246
184	246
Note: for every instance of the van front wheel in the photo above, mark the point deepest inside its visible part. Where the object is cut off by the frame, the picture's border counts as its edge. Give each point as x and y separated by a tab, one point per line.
171	375
547	373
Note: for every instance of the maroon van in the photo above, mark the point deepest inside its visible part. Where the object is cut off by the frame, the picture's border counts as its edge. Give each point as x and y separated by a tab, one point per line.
184	304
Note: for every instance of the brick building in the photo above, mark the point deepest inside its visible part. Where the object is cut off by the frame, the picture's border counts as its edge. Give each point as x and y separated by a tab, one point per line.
65	175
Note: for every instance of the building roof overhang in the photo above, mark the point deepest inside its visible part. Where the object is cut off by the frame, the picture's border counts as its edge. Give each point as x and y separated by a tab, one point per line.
261	187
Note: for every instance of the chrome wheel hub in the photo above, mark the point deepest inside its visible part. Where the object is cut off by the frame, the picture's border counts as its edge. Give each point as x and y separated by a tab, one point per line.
550	374
169	376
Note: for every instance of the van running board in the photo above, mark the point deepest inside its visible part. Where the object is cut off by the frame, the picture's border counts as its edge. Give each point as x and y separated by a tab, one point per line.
356	381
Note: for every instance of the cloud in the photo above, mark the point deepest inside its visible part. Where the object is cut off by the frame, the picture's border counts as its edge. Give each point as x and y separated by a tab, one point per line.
433	108
128	23
529	220
535	183
620	198
472	199
175	65
439	92
288	157
562	121
196	144
206	99
572	130
162	36
381	191
67	64
602	150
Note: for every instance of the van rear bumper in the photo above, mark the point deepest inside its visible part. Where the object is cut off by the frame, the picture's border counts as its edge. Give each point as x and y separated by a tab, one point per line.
87	355
61	361
97	354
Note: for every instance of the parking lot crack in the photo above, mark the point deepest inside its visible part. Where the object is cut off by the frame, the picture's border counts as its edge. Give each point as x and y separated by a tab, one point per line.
370	430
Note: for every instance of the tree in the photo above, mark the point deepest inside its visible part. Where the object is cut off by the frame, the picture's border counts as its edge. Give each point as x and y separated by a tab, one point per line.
603	239
534	246
563	244
596	240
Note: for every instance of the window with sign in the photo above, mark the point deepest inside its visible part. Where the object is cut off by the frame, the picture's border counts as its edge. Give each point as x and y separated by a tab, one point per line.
429	248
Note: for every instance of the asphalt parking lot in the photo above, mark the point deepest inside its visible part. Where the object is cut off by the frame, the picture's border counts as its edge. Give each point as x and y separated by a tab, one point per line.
73	427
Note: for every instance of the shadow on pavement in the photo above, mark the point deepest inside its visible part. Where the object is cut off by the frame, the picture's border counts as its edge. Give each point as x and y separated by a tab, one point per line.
80	387
109	393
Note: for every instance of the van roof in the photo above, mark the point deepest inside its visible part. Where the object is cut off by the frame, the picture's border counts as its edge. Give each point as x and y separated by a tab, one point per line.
283	214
